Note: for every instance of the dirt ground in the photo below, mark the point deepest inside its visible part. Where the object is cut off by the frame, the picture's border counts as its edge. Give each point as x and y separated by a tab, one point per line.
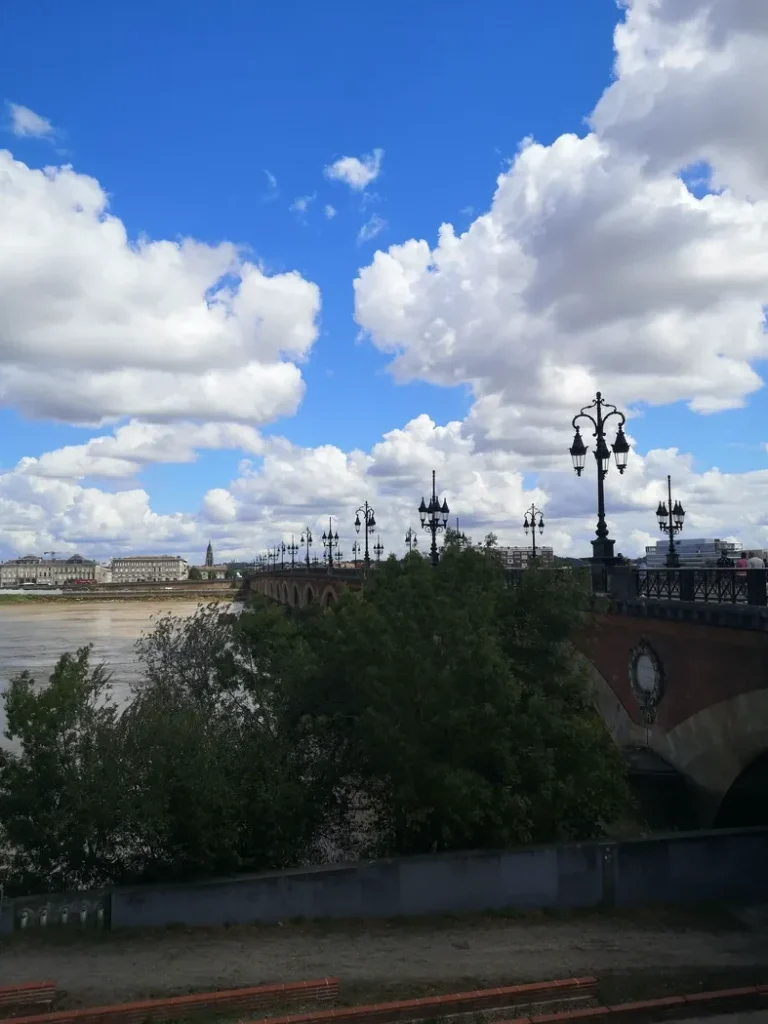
391	959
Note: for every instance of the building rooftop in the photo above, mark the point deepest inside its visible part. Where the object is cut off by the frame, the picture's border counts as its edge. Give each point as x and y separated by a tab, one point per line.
148	558
38	560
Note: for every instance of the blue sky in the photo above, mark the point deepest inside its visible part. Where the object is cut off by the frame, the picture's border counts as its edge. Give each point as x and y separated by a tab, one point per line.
184	112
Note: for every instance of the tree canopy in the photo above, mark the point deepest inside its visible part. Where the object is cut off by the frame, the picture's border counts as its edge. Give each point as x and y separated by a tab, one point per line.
441	710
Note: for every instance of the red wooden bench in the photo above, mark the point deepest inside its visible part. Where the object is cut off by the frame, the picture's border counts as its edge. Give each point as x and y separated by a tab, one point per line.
247	1000
33	993
650	1011
511	996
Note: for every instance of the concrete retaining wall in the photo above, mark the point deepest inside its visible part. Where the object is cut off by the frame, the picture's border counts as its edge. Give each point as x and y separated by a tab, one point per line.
703	867
723	866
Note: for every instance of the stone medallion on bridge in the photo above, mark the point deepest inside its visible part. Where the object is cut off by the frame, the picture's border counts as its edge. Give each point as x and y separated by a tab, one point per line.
645	676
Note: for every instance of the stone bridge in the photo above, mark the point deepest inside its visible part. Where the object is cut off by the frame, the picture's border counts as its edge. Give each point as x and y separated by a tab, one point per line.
679	665
303	586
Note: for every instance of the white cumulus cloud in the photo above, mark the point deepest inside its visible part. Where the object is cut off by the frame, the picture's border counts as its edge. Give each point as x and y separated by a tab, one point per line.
25	123
594	265
136	445
357	172
95	326
284	487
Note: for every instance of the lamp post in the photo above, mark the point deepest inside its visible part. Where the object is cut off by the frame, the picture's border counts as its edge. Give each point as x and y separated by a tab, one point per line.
378	547
292	548
533	524
356	549
330	541
368	522
411	539
602	547
306	538
282	549
671	520
434	518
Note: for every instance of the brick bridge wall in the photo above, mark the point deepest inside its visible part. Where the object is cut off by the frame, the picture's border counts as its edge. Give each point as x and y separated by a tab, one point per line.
710	721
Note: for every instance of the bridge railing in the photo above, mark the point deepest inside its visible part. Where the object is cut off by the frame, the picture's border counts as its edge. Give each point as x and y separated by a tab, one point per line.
314	571
705	586
694	585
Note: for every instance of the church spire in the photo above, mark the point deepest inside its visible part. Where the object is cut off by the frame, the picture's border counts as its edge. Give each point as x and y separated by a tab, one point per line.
209	554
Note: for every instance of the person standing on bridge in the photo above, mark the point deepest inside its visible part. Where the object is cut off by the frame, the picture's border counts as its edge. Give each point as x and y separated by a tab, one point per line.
755	561
741	564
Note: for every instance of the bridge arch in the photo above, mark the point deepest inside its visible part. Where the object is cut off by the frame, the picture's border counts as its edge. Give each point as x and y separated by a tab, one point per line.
285	593
295	596
746	802
329	597
309	596
714	748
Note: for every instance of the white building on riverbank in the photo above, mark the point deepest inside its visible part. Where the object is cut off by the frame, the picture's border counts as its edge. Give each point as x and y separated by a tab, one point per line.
52	572
149	569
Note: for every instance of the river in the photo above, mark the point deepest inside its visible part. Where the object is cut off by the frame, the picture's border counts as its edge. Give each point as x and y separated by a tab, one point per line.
33	636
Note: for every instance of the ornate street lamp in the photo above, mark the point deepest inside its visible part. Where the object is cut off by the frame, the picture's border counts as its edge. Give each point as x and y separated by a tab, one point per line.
602	547
292	548
282	549
533	524
434	517
330	541
306	539
368	523
671	520
356	549
378	547
411	539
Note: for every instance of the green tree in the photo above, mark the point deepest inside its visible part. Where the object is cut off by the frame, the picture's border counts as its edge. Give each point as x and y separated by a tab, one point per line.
451	710
194	573
61	788
219	783
441	709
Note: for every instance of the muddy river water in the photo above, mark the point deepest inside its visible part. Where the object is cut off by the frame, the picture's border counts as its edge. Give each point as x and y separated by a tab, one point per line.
33	636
